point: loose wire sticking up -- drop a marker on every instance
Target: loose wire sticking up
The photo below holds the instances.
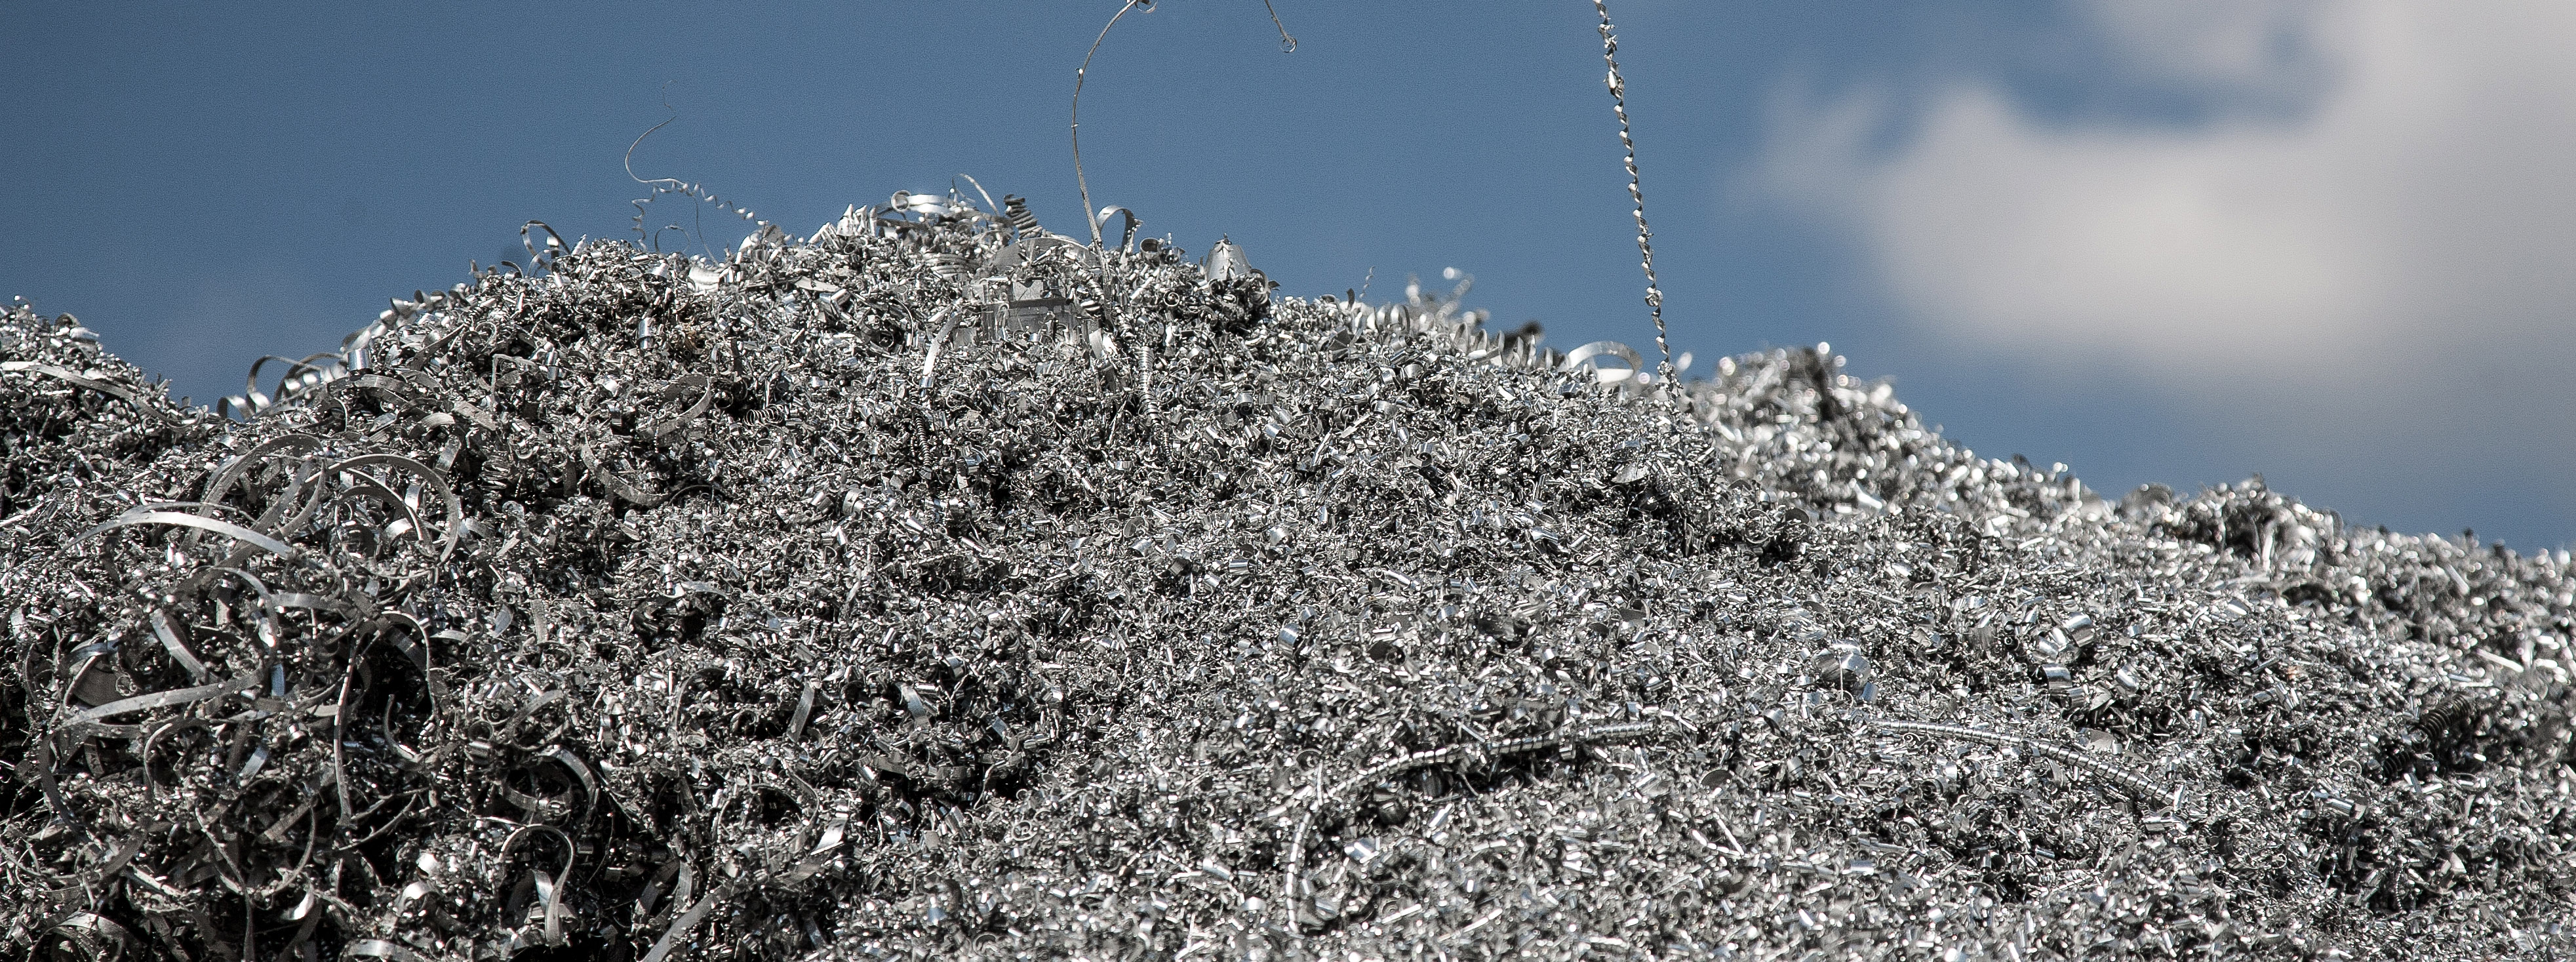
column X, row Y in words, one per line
column 1090, row 214
column 670, row 185
column 1636, row 193
column 1287, row 41
column 1094, row 216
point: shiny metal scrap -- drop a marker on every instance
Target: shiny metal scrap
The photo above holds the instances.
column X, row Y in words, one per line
column 938, row 585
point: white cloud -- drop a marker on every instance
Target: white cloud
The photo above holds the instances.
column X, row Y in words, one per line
column 2422, row 195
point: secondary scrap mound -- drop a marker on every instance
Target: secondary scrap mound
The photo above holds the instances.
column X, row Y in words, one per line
column 941, row 587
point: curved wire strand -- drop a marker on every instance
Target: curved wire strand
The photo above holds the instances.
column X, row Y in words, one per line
column 1636, row 192
column 1287, row 41
column 1079, row 73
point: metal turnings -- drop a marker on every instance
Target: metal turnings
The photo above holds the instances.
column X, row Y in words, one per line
column 860, row 597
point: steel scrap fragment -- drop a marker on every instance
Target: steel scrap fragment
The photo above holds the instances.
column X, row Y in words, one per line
column 939, row 585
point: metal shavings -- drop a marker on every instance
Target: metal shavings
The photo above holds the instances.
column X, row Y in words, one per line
column 1425, row 759
column 874, row 595
column 2145, row 790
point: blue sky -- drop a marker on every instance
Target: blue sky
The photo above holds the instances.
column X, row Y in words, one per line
column 2159, row 240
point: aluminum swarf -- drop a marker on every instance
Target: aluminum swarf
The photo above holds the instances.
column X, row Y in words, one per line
column 936, row 585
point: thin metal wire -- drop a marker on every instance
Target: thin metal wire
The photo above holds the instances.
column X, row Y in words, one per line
column 1141, row 343
column 1088, row 215
column 1636, row 192
column 1287, row 42
column 1143, row 346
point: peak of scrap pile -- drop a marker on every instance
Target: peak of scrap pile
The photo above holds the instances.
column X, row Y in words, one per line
column 939, row 586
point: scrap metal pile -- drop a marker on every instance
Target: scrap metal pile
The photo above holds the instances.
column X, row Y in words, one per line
column 942, row 587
